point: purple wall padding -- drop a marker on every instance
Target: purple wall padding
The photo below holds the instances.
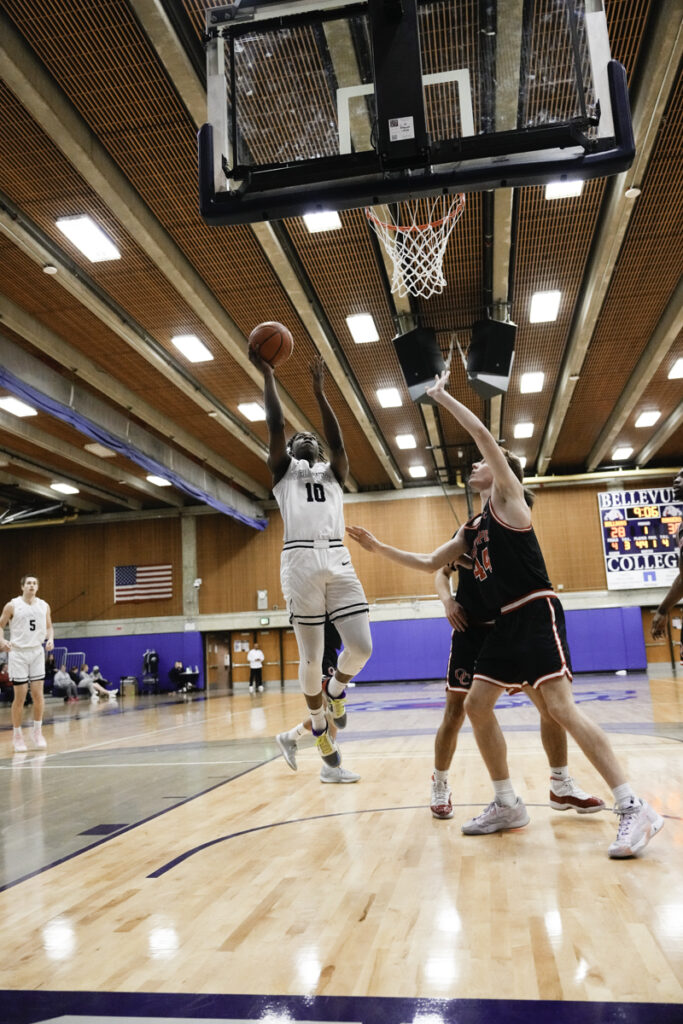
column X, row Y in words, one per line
column 600, row 640
column 606, row 639
column 122, row 655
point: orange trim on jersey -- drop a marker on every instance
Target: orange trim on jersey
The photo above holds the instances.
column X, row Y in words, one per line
column 533, row 595
column 515, row 529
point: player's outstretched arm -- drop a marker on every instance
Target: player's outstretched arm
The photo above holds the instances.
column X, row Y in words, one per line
column 506, row 487
column 331, row 429
column 278, row 456
column 451, row 551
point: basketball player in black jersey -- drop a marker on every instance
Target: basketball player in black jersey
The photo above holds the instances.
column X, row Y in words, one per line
column 472, row 624
column 528, row 644
column 674, row 594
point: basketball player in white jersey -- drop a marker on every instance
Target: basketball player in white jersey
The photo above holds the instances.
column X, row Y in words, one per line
column 30, row 626
column 315, row 569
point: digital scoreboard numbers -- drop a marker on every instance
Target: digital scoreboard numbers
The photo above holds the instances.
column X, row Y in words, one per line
column 639, row 531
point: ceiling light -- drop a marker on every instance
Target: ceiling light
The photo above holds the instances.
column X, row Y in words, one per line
column 49, row 268
column 326, row 220
column 676, row 370
column 89, row 238
column 192, row 348
column 563, row 189
column 524, row 430
column 632, row 193
column 531, row 382
column 406, row 441
column 17, row 408
column 158, row 481
column 417, row 471
column 621, row 454
column 99, row 450
column 64, row 488
column 544, row 307
column 389, row 398
column 252, row 411
column 522, row 461
column 648, row 419
column 573, row 377
column 362, row 328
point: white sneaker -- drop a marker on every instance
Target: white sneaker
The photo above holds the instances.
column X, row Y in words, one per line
column 637, row 825
column 338, row 774
column 566, row 796
column 19, row 744
column 497, row 818
column 37, row 739
column 441, row 803
column 251, row 689
column 288, row 748
column 112, row 693
column 94, row 697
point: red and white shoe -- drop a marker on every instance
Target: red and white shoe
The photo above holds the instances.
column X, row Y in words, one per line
column 441, row 804
column 566, row 796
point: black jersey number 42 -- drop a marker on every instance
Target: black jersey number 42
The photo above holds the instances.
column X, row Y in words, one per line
column 315, row 492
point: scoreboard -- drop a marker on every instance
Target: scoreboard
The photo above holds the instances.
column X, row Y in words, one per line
column 639, row 531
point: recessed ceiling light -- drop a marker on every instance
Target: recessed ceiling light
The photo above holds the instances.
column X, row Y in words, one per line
column 252, row 411
column 325, row 220
column 99, row 450
column 524, row 430
column 531, row 382
column 362, row 328
column 158, row 481
column 544, row 307
column 522, row 459
column 563, row 189
column 676, row 370
column 389, row 398
column 417, row 471
column 17, row 408
column 621, row 454
column 648, row 419
column 87, row 236
column 192, row 348
column 64, row 488
column 406, row 441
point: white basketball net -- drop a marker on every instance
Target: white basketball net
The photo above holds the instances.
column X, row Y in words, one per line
column 415, row 241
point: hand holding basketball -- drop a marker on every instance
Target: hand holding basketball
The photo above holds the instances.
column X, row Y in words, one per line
column 272, row 342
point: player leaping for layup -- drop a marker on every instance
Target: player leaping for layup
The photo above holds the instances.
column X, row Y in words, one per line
column 316, row 573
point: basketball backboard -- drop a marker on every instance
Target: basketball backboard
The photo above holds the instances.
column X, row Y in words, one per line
column 328, row 105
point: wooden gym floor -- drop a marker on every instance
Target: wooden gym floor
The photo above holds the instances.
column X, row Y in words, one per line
column 161, row 862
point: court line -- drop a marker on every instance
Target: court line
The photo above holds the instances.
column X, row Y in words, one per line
column 321, row 817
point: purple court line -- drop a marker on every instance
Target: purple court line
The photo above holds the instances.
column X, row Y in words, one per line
column 129, row 828
column 315, row 817
column 26, row 1007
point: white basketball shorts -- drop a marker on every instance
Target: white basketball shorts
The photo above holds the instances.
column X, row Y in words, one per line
column 26, row 664
column 319, row 580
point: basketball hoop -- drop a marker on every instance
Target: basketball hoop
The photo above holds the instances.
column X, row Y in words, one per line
column 416, row 243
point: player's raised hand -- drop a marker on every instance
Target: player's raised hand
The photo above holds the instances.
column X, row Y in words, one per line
column 259, row 363
column 317, row 368
column 438, row 388
column 366, row 539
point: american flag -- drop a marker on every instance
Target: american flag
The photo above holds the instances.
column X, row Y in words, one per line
column 142, row 582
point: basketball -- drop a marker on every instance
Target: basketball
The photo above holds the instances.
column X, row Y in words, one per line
column 272, row 341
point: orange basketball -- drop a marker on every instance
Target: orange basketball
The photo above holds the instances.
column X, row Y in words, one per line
column 273, row 342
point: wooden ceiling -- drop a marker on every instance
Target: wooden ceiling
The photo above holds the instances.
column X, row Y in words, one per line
column 99, row 108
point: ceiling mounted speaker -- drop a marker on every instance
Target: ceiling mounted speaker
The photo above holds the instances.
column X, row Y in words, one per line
column 490, row 355
column 421, row 360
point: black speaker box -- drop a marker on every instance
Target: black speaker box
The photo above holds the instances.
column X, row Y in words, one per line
column 490, row 355
column 421, row 360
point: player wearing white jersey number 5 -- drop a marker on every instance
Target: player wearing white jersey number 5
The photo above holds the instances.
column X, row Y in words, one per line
column 315, row 569
column 30, row 626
